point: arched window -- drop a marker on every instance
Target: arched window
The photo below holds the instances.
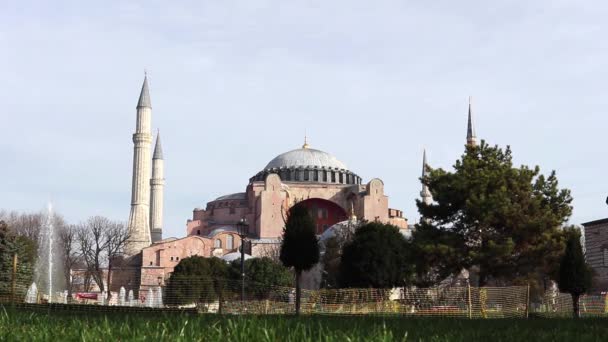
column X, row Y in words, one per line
column 218, row 243
column 229, row 242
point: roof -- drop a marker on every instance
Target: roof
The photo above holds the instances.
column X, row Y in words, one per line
column 158, row 149
column 235, row 196
column 304, row 157
column 144, row 96
column 596, row 222
column 235, row 256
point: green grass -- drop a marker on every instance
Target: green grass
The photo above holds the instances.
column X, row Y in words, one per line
column 27, row 325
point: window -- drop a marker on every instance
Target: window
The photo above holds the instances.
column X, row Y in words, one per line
column 322, row 213
column 176, row 258
column 171, row 258
column 229, row 242
column 605, row 255
column 151, row 263
column 198, row 232
column 232, row 210
column 218, row 243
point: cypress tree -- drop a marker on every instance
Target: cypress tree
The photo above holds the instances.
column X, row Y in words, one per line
column 300, row 247
column 574, row 274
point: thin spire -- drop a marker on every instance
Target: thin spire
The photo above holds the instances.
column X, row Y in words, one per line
column 144, row 96
column 423, row 162
column 158, row 150
column 425, row 193
column 471, row 137
column 305, row 141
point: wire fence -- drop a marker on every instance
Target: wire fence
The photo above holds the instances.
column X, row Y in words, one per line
column 556, row 304
column 228, row 296
column 131, row 289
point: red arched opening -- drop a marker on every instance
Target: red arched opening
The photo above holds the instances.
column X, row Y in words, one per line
column 325, row 213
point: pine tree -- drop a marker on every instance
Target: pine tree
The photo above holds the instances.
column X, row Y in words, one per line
column 491, row 216
column 574, row 274
column 300, row 247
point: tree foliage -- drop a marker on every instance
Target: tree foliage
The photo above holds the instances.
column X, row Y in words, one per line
column 376, row 257
column 196, row 279
column 261, row 275
column 574, row 274
column 12, row 244
column 487, row 214
column 300, row 246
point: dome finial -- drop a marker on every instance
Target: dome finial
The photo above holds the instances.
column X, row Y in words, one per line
column 305, row 141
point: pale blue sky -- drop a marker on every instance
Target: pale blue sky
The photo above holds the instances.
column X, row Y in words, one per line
column 234, row 83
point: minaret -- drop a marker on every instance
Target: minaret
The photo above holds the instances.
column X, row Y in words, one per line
column 471, row 137
column 425, row 193
column 139, row 225
column 157, row 185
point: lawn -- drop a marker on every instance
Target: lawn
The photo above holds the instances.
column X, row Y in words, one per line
column 27, row 325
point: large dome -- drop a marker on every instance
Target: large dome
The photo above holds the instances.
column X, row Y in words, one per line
column 305, row 157
column 308, row 165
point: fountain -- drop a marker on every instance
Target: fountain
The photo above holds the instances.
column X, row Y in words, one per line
column 150, row 298
column 159, row 297
column 131, row 298
column 121, row 296
column 48, row 263
column 103, row 295
column 32, row 294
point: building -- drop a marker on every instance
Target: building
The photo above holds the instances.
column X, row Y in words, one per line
column 596, row 251
column 326, row 186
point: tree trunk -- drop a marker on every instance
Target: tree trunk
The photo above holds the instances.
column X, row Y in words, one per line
column 298, row 292
column 575, row 307
column 109, row 293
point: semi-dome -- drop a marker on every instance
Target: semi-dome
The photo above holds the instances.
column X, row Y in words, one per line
column 306, row 157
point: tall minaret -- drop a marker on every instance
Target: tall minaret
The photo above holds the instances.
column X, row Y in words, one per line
column 471, row 137
column 425, row 194
column 157, row 185
column 139, row 225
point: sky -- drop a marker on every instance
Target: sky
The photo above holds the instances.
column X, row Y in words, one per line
column 235, row 83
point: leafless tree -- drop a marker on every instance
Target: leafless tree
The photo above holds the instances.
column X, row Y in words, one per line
column 70, row 252
column 28, row 224
column 101, row 242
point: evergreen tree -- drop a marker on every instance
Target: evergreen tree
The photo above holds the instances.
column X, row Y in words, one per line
column 300, row 247
column 25, row 249
column 376, row 257
column 574, row 274
column 196, row 279
column 262, row 274
column 489, row 216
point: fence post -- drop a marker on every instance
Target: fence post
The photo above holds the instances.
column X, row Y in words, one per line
column 527, row 300
column 266, row 304
column 14, row 278
column 470, row 301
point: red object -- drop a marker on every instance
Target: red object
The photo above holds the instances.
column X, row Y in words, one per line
column 86, row 295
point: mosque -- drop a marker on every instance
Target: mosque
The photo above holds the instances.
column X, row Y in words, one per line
column 305, row 176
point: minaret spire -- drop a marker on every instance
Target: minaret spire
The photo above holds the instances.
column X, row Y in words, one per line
column 144, row 95
column 157, row 185
column 471, row 137
column 425, row 193
column 139, row 218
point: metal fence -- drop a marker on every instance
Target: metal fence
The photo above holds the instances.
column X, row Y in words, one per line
column 224, row 296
